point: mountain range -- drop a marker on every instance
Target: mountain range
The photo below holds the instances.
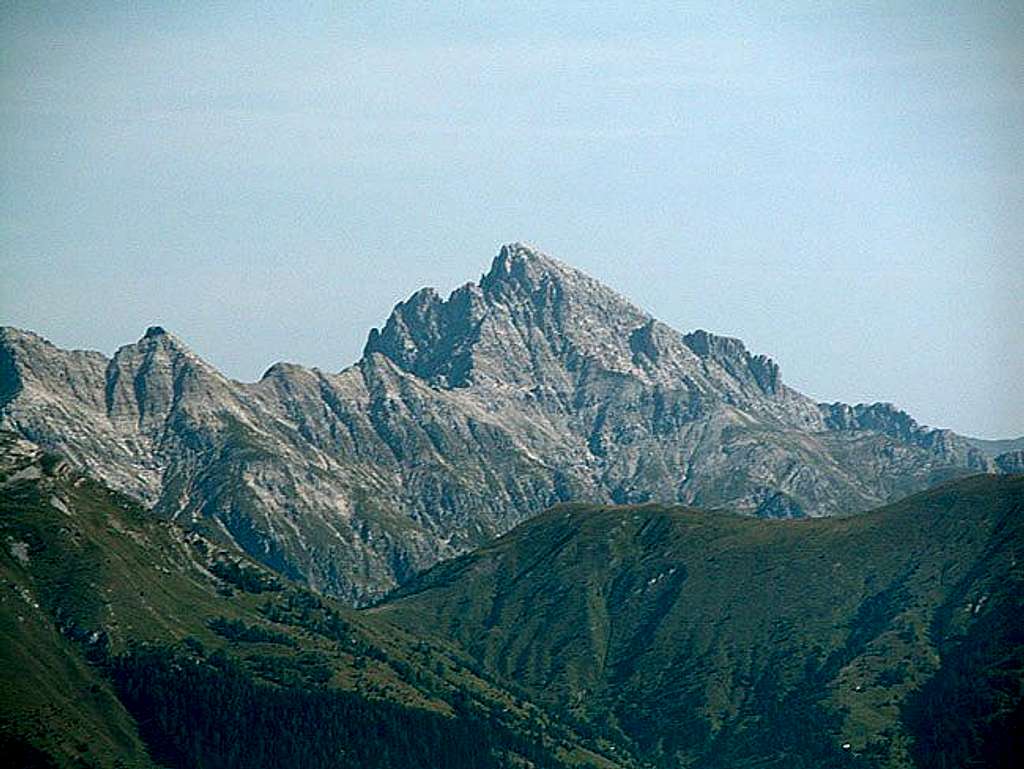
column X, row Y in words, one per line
column 128, row 641
column 464, row 417
column 609, row 637
column 532, row 527
column 892, row 638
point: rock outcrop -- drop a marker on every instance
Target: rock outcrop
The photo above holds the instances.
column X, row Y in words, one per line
column 464, row 416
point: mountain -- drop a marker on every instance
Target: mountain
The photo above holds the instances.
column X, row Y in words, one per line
column 639, row 637
column 994, row 449
column 888, row 639
column 464, row 417
column 129, row 642
column 1006, row 455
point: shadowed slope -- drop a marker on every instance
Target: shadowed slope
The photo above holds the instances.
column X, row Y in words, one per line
column 127, row 641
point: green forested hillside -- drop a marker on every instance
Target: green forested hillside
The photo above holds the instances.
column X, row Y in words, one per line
column 891, row 639
column 602, row 636
column 128, row 643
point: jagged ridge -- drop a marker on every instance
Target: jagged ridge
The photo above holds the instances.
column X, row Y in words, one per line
column 465, row 416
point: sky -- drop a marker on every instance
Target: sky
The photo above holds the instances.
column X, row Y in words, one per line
column 841, row 185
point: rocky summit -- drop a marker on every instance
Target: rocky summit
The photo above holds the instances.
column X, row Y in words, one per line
column 464, row 417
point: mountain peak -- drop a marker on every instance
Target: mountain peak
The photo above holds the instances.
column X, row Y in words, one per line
column 160, row 335
column 533, row 320
column 527, row 317
column 158, row 340
column 511, row 255
column 524, row 264
column 158, row 362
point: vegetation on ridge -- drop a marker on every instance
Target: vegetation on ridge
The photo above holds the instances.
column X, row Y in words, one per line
column 632, row 636
column 889, row 639
column 130, row 643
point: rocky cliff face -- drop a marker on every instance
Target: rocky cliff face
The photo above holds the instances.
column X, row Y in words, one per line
column 464, row 416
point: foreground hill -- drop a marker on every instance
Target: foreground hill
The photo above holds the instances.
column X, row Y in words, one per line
column 464, row 417
column 889, row 639
column 127, row 642
column 630, row 636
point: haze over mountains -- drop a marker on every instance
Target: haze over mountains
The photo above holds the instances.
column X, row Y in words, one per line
column 520, row 521
column 464, row 417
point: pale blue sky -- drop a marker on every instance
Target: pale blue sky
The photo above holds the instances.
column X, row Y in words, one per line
column 841, row 185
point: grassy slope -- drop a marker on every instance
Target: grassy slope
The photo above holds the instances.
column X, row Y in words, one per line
column 698, row 638
column 711, row 639
column 87, row 573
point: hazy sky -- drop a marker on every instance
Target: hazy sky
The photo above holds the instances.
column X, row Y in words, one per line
column 841, row 185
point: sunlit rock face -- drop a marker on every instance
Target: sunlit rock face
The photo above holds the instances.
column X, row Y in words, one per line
column 464, row 416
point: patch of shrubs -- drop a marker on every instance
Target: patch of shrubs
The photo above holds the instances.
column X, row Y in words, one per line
column 245, row 577
column 239, row 630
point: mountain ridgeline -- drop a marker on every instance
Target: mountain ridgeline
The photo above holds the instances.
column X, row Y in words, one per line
column 704, row 639
column 129, row 642
column 608, row 637
column 464, row 417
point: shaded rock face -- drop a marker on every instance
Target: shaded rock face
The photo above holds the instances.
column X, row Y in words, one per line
column 732, row 355
column 1011, row 461
column 464, row 416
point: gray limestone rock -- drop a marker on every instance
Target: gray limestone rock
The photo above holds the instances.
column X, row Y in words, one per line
column 464, row 416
